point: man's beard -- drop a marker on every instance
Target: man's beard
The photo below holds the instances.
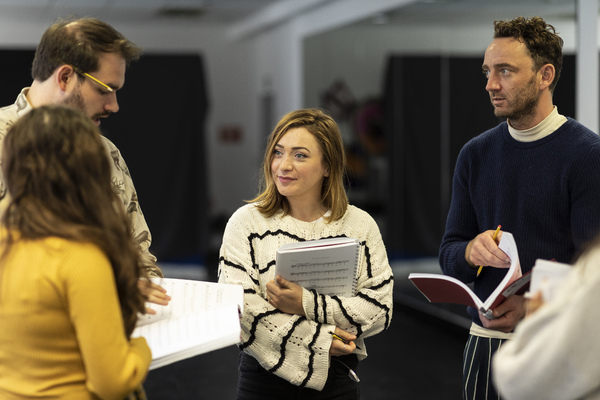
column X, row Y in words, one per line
column 525, row 104
column 76, row 101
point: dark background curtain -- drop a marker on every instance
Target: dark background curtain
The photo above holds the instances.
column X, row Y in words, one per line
column 160, row 130
column 15, row 66
column 432, row 107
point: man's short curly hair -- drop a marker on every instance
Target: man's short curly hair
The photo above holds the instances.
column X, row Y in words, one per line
column 542, row 41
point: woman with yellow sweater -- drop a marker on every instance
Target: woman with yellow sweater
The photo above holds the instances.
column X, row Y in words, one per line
column 69, row 271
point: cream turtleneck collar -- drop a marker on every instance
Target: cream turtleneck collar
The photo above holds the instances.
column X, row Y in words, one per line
column 551, row 123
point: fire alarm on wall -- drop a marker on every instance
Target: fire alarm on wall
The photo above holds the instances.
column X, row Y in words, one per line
column 230, row 134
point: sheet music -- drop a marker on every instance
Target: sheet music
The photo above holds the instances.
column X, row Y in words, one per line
column 188, row 296
column 201, row 317
column 189, row 335
column 328, row 269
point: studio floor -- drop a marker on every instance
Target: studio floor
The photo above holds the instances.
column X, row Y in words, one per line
column 419, row 357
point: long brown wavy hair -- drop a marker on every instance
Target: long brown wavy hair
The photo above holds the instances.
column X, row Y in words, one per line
column 327, row 134
column 58, row 176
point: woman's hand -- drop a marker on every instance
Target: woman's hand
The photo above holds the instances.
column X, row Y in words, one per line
column 154, row 294
column 286, row 296
column 533, row 303
column 338, row 347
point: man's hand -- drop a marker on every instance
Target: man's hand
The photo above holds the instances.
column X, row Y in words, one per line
column 507, row 315
column 483, row 250
column 154, row 294
column 285, row 296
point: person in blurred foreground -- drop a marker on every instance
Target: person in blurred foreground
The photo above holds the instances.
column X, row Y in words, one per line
column 553, row 353
column 69, row 267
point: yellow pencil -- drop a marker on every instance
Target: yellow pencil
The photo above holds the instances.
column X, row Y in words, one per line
column 495, row 235
column 345, row 341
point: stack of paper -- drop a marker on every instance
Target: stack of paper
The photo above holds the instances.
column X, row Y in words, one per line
column 201, row 317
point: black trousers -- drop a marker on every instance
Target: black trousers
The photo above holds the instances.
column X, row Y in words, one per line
column 256, row 383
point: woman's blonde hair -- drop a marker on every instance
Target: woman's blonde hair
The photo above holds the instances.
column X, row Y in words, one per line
column 326, row 132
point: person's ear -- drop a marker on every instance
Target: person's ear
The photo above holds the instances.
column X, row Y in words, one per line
column 63, row 75
column 547, row 73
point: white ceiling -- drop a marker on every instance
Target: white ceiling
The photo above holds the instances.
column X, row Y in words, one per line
column 467, row 11
column 208, row 11
column 233, row 11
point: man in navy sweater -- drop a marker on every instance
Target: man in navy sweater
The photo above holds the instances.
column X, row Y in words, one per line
column 537, row 175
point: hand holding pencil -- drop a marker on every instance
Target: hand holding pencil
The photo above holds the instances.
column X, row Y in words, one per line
column 483, row 251
column 343, row 343
column 493, row 238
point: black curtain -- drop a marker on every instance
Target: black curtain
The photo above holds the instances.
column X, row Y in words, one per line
column 412, row 124
column 160, row 130
column 564, row 93
column 15, row 72
column 433, row 106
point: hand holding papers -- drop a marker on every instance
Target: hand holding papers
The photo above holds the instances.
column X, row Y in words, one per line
column 201, row 317
column 439, row 288
column 546, row 277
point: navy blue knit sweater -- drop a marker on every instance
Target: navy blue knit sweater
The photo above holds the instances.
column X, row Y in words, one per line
column 546, row 193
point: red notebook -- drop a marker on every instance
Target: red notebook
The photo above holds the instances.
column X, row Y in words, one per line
column 438, row 288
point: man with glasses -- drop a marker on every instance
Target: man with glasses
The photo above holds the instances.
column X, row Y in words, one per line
column 81, row 63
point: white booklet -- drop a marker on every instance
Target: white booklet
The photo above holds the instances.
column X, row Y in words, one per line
column 201, row 317
column 547, row 276
column 328, row 266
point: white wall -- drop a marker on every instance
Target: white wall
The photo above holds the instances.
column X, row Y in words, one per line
column 358, row 54
column 232, row 96
column 229, row 67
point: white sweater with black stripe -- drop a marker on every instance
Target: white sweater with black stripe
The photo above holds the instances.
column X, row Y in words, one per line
column 293, row 347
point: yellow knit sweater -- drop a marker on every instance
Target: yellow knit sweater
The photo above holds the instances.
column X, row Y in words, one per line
column 61, row 329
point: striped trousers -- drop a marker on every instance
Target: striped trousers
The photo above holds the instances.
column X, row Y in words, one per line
column 477, row 368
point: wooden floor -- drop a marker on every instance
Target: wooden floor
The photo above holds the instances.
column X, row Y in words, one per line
column 419, row 357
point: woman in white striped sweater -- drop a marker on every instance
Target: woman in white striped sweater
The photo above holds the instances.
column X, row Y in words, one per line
column 288, row 350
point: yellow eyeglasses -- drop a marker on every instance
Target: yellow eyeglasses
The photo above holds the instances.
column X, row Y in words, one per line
column 99, row 82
